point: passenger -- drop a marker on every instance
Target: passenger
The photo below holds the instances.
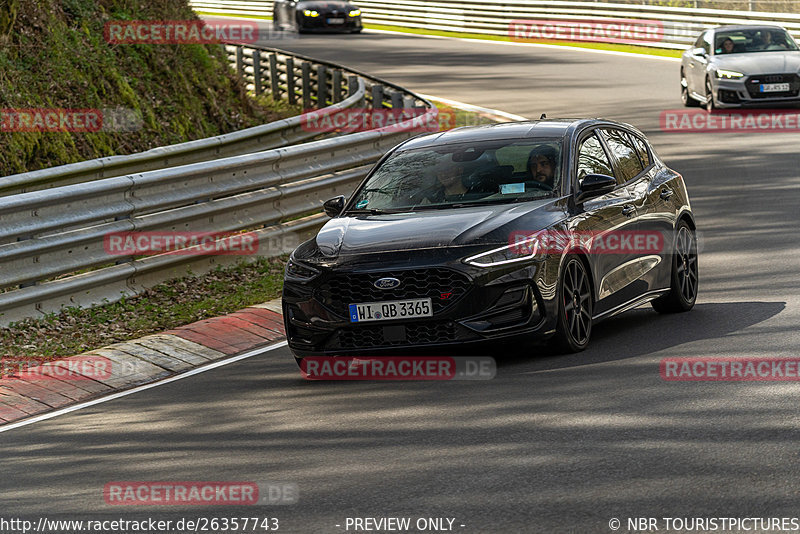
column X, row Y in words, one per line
column 727, row 46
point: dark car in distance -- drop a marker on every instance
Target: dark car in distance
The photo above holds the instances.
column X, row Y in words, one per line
column 480, row 233
column 316, row 16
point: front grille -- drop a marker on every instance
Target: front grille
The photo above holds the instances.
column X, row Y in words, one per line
column 416, row 334
column 753, row 83
column 340, row 291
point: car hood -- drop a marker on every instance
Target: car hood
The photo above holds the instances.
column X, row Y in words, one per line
column 760, row 62
column 480, row 225
column 326, row 5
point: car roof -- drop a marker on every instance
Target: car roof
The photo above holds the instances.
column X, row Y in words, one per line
column 749, row 27
column 507, row 130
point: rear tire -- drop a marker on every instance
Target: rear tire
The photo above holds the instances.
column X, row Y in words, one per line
column 575, row 307
column 684, row 278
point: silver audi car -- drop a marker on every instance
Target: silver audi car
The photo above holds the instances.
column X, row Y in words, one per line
column 736, row 66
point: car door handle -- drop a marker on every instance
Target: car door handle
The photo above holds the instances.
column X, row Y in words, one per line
column 666, row 193
column 628, row 210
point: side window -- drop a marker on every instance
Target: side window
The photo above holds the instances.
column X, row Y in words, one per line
column 627, row 157
column 592, row 158
column 641, row 148
column 699, row 43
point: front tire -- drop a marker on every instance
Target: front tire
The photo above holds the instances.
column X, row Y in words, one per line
column 684, row 278
column 710, row 106
column 686, row 98
column 575, row 307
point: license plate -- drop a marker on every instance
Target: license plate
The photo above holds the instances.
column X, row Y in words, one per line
column 390, row 310
column 335, row 21
column 774, row 87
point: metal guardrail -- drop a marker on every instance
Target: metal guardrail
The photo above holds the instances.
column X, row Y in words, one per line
column 681, row 25
column 281, row 73
column 48, row 236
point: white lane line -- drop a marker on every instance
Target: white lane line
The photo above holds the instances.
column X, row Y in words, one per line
column 477, row 109
column 538, row 45
column 137, row 389
column 471, row 40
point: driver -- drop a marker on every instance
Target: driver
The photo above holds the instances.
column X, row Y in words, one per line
column 770, row 41
column 542, row 164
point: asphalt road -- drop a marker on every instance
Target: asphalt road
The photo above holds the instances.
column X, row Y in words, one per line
column 552, row 444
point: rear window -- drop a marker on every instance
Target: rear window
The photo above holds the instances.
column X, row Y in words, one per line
column 627, row 156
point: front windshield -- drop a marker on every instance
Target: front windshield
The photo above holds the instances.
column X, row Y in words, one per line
column 753, row 40
column 464, row 174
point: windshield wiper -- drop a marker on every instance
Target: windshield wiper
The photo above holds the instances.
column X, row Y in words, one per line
column 370, row 211
column 462, row 204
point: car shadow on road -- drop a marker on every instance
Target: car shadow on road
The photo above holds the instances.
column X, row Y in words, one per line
column 643, row 331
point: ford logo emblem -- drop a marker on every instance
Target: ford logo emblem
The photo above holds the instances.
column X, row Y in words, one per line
column 387, row 283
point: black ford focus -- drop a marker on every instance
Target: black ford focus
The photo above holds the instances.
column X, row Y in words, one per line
column 533, row 229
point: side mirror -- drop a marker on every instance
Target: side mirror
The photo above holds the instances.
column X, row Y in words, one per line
column 334, row 206
column 699, row 51
column 595, row 185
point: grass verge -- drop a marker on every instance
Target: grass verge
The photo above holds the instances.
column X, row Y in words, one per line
column 174, row 303
column 53, row 55
column 632, row 49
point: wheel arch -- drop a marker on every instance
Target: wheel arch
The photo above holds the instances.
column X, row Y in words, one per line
column 583, row 256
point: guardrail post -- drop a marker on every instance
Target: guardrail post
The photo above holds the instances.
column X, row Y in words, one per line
column 337, row 86
column 322, row 86
column 290, row 81
column 306, row 67
column 240, row 62
column 257, row 71
column 377, row 96
column 397, row 100
column 273, row 77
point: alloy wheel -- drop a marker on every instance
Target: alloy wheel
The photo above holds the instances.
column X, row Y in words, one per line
column 687, row 264
column 577, row 302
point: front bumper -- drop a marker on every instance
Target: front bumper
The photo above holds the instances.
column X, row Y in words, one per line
column 490, row 305
column 745, row 92
column 322, row 24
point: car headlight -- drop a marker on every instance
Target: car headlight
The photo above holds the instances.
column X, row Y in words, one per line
column 355, row 13
column 310, row 13
column 729, row 74
column 520, row 251
column 299, row 271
